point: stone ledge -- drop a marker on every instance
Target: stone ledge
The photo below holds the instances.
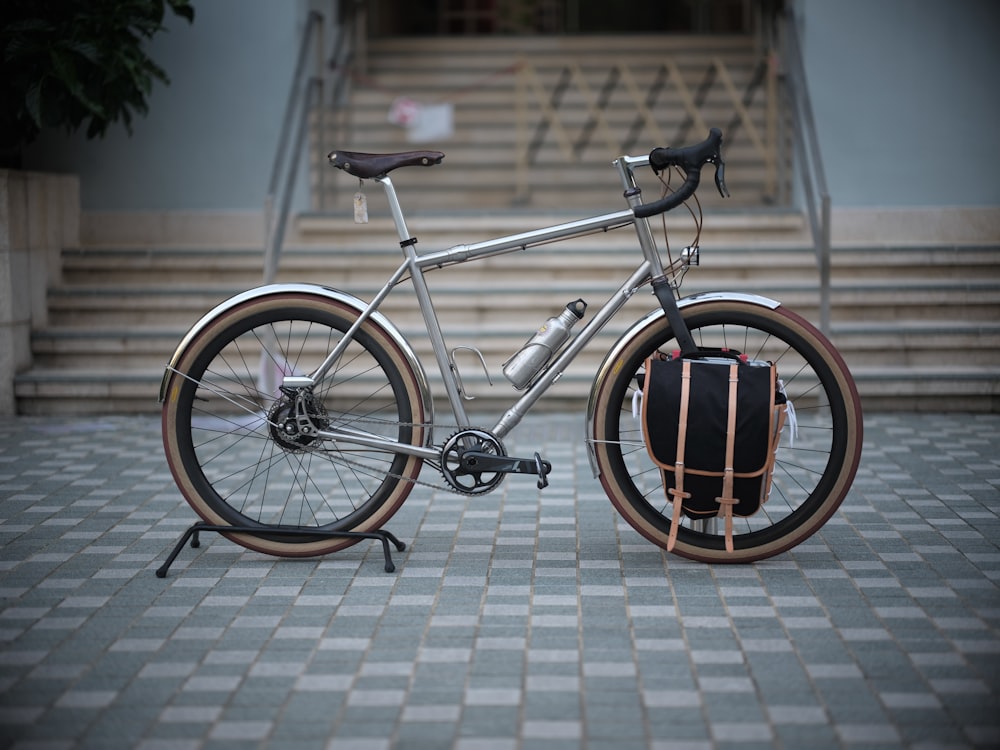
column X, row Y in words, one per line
column 915, row 226
column 39, row 216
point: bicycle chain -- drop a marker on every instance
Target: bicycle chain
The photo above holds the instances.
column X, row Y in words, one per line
column 348, row 462
column 436, row 464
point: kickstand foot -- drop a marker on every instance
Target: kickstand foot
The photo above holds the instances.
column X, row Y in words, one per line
column 193, row 532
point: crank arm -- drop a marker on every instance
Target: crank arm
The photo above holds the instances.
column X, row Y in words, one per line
column 489, row 463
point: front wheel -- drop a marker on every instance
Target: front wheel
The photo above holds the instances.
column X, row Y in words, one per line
column 813, row 471
column 229, row 432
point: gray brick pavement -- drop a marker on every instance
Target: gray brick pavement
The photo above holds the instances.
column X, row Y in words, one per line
column 518, row 620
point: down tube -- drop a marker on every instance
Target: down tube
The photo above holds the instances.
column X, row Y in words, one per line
column 516, row 413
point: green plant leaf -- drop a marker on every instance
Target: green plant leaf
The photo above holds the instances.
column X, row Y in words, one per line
column 33, row 103
column 183, row 9
column 78, row 63
column 87, row 50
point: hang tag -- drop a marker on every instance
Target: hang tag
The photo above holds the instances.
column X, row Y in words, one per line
column 360, row 208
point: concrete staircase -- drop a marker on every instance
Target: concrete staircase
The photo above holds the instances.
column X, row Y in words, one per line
column 566, row 83
column 919, row 326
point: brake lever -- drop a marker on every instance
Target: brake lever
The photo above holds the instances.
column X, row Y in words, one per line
column 720, row 178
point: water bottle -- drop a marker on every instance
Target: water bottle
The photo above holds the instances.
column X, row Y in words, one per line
column 538, row 350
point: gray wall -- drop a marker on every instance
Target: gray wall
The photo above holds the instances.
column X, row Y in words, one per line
column 210, row 137
column 905, row 97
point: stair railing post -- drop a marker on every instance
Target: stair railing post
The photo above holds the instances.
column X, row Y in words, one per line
column 824, row 265
column 771, row 126
column 320, row 74
column 521, row 194
column 807, row 153
column 274, row 226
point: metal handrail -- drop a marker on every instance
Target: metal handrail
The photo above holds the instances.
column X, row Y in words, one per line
column 810, row 163
column 346, row 59
column 286, row 157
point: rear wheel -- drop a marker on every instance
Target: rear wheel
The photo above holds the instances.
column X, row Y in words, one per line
column 813, row 471
column 231, row 439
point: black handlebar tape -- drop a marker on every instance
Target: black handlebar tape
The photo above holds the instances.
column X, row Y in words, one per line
column 671, row 201
column 691, row 159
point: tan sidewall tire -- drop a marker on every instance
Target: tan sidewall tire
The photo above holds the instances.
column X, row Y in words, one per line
column 654, row 332
column 170, row 439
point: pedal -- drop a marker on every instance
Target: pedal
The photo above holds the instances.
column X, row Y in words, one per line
column 542, row 468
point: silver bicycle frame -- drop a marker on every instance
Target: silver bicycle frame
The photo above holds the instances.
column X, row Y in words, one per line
column 414, row 265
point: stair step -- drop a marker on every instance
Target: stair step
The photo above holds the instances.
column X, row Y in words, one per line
column 883, row 388
column 482, row 84
column 911, row 343
column 972, row 344
column 347, row 265
column 472, row 48
column 928, row 293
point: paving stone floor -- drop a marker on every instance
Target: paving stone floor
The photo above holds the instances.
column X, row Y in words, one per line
column 514, row 621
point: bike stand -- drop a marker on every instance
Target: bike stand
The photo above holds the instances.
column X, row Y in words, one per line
column 193, row 534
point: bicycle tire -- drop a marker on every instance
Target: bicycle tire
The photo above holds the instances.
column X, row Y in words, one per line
column 813, row 473
column 235, row 468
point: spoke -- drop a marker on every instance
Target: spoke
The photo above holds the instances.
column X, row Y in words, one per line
column 252, row 408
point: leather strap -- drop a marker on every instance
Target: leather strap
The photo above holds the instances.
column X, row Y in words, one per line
column 781, row 410
column 727, row 501
column 677, row 493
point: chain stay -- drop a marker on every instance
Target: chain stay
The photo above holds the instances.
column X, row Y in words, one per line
column 485, row 462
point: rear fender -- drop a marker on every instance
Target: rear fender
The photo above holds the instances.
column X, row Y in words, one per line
column 326, row 293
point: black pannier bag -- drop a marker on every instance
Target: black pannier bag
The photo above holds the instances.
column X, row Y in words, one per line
column 712, row 424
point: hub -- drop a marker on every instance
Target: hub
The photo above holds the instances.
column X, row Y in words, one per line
column 288, row 428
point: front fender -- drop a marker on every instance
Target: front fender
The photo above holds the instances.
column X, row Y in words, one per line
column 333, row 295
column 615, row 352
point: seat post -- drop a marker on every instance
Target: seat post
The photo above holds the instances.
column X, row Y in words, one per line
column 394, row 208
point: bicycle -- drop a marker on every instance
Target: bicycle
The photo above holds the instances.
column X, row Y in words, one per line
column 296, row 418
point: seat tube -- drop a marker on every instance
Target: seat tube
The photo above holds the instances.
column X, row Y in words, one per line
column 434, row 333
column 394, row 208
column 426, row 304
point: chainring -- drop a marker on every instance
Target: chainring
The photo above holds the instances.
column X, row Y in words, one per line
column 460, row 474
